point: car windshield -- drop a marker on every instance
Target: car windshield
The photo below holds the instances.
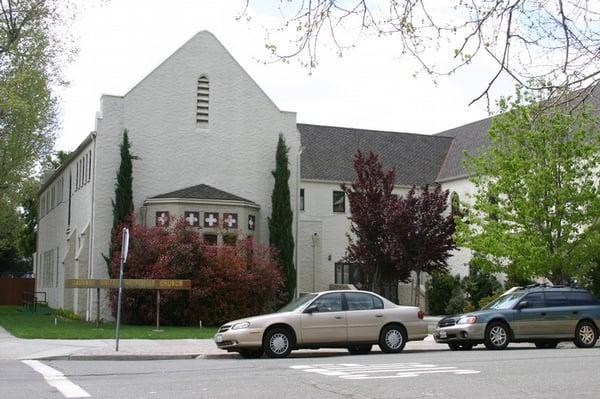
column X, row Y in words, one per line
column 505, row 301
column 297, row 304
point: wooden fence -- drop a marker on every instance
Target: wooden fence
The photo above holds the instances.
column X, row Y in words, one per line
column 12, row 290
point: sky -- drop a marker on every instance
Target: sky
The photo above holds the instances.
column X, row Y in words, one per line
column 370, row 87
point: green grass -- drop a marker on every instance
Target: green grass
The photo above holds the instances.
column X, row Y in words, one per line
column 36, row 325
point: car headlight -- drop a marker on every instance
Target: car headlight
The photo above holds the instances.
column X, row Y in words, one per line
column 467, row 320
column 241, row 326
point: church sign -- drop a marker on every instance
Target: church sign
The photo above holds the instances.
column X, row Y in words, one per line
column 129, row 283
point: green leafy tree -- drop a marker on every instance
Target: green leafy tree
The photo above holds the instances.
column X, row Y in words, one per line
column 537, row 203
column 280, row 222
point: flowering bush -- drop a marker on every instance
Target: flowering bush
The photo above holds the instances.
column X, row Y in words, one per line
column 228, row 282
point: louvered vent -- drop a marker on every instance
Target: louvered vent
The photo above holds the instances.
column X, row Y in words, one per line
column 202, row 110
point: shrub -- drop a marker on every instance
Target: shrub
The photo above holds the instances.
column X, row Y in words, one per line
column 457, row 303
column 228, row 282
column 479, row 284
column 439, row 290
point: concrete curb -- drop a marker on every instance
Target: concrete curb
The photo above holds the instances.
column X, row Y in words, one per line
column 128, row 357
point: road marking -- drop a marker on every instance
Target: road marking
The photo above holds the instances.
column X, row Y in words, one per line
column 58, row 380
column 353, row 371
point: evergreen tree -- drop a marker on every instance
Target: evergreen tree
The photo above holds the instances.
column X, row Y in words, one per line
column 280, row 222
column 123, row 202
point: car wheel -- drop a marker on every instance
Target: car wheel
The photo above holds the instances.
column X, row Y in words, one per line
column 586, row 335
column 360, row 349
column 392, row 339
column 497, row 336
column 251, row 353
column 460, row 346
column 546, row 345
column 278, row 343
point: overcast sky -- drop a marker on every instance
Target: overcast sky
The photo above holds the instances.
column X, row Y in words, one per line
column 370, row 87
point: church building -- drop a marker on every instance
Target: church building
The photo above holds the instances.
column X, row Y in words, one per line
column 205, row 135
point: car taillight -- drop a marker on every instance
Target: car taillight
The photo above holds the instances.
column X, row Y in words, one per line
column 420, row 314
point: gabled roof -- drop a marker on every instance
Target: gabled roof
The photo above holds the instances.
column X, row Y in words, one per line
column 202, row 191
column 328, row 153
column 470, row 138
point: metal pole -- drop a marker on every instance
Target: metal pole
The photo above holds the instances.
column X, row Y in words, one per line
column 124, row 250
column 98, row 307
column 119, row 304
column 157, row 310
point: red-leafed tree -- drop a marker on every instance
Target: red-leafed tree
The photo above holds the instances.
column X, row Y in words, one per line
column 228, row 282
column 371, row 201
column 422, row 231
column 392, row 236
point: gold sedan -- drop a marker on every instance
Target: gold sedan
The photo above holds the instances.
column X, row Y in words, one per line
column 355, row 320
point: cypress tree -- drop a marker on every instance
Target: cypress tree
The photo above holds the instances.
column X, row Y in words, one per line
column 280, row 222
column 123, row 202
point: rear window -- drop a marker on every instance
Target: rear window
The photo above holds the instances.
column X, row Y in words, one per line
column 581, row 299
column 556, row 299
column 360, row 301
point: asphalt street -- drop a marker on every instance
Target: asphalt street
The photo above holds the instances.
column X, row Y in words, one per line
column 513, row 373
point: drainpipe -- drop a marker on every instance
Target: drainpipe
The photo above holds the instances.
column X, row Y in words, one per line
column 315, row 237
column 91, row 238
column 297, row 219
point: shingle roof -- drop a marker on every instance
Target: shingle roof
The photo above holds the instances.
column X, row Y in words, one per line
column 202, row 191
column 328, row 153
column 471, row 138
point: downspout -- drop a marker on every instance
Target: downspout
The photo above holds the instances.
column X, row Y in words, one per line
column 297, row 220
column 91, row 248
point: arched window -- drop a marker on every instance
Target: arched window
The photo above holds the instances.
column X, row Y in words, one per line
column 202, row 102
column 455, row 202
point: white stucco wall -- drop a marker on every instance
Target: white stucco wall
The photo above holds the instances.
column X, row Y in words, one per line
column 53, row 233
column 236, row 153
column 331, row 239
column 459, row 262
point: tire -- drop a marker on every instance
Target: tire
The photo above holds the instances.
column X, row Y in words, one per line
column 497, row 336
column 278, row 343
column 392, row 339
column 586, row 334
column 360, row 349
column 460, row 346
column 251, row 353
column 546, row 345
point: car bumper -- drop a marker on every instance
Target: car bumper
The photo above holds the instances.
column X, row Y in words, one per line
column 232, row 340
column 460, row 332
column 416, row 330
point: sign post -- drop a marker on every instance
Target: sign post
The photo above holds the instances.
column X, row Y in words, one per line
column 124, row 249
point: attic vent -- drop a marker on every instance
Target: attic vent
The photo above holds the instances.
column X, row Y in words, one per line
column 202, row 110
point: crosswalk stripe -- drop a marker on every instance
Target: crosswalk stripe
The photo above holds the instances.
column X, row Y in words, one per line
column 57, row 380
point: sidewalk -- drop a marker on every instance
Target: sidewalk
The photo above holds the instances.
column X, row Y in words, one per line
column 12, row 348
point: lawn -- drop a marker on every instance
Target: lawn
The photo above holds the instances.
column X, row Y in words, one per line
column 53, row 326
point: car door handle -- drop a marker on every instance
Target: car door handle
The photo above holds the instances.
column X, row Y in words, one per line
column 575, row 312
column 338, row 317
column 543, row 313
column 378, row 315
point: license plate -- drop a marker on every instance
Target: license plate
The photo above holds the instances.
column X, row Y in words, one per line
column 443, row 334
column 219, row 338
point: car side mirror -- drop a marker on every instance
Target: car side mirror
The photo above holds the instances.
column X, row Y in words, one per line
column 312, row 309
column 522, row 305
